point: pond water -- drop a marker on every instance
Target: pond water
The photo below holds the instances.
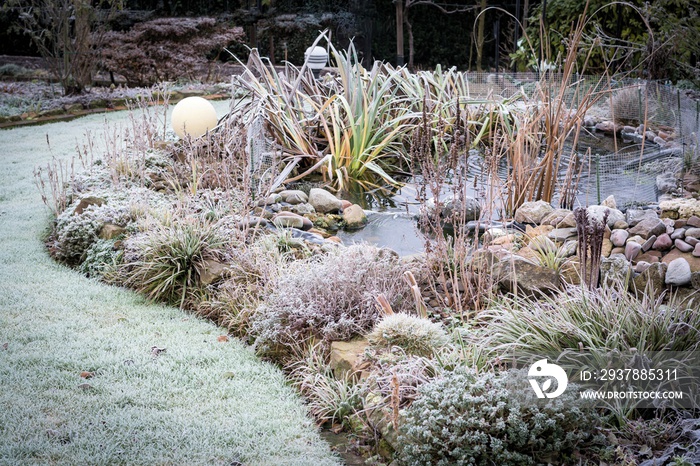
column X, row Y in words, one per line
column 614, row 169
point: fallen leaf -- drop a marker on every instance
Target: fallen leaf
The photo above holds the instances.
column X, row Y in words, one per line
column 229, row 375
column 222, row 338
column 87, row 375
column 5, row 345
column 85, row 386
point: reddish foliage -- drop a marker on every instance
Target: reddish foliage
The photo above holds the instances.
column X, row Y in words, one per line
column 166, row 49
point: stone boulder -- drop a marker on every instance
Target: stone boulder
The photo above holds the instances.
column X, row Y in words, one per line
column 559, row 218
column 649, row 226
column 111, row 231
column 323, row 201
column 87, row 202
column 211, row 271
column 354, row 217
column 614, row 216
column 533, row 212
column 291, row 220
column 451, row 205
column 517, row 273
column 634, row 216
column 680, row 208
column 346, row 355
column 652, row 280
column 678, row 272
column 294, row 196
column 674, row 254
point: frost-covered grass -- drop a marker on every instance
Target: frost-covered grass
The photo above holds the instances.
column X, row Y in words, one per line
column 200, row 401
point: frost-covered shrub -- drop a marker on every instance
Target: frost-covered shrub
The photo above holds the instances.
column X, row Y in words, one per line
column 465, row 418
column 75, row 233
column 166, row 48
column 329, row 298
column 413, row 334
column 101, row 258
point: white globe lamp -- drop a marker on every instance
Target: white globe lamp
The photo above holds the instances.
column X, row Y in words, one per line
column 193, row 116
column 316, row 59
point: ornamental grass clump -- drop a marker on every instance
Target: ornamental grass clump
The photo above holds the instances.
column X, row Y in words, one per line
column 165, row 263
column 415, row 335
column 329, row 298
column 576, row 319
column 465, row 418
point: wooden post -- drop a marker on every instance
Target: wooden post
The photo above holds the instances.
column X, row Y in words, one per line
column 399, row 32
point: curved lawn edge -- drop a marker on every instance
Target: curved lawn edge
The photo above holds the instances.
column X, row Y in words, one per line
column 201, row 401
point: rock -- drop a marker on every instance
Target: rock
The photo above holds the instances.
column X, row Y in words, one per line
column 560, row 235
column 647, row 258
column 678, row 272
column 533, row 212
column 678, row 233
column 294, row 196
column 634, row 216
column 620, row 225
column 693, row 222
column 570, row 272
column 111, row 231
column 615, row 269
column 692, row 232
column 87, row 202
column 632, row 250
column 252, row 222
column 606, row 248
column 675, row 254
column 569, row 248
column 609, row 202
column 306, row 236
column 607, row 127
column 482, row 260
column 648, row 243
column 323, row 201
column 636, row 239
column 303, row 209
column 649, row 227
column 533, row 232
column 682, row 246
column 696, row 250
column 211, row 271
column 292, row 220
column 666, row 183
column 355, row 218
column 691, row 241
column 557, row 217
column 273, row 198
column 651, row 280
column 526, row 276
column 614, row 251
column 345, row 356
column 451, row 205
column 695, row 280
column 619, row 237
column 663, row 243
column 528, row 253
column 680, row 208
column 680, row 223
column 597, row 212
column 641, row 266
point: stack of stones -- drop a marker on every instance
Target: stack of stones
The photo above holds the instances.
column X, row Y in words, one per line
column 659, row 244
column 311, row 218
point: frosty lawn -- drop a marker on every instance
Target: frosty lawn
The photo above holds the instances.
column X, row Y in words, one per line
column 201, row 401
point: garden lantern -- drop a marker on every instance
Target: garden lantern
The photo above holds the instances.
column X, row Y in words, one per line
column 193, row 116
column 316, row 58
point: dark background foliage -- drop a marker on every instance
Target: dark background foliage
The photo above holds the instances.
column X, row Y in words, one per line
column 284, row 28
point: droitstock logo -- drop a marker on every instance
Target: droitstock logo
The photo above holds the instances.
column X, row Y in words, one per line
column 542, row 370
